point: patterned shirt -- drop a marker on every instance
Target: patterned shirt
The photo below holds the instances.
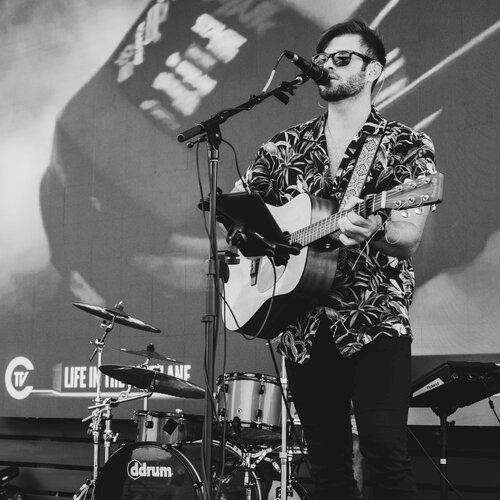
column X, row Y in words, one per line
column 371, row 291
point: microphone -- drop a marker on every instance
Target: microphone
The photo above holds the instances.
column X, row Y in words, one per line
column 318, row 74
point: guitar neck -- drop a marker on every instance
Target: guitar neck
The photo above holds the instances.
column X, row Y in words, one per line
column 330, row 224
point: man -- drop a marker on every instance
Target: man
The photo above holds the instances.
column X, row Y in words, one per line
column 353, row 343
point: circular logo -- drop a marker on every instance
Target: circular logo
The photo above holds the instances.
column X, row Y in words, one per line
column 16, row 374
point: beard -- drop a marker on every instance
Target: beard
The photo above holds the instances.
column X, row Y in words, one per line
column 340, row 90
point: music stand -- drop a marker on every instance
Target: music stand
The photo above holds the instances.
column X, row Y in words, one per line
column 251, row 226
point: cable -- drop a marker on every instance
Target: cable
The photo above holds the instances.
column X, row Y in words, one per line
column 435, row 465
column 200, row 186
column 218, row 416
column 271, row 300
column 366, row 242
column 492, row 406
column 237, row 165
column 490, row 401
column 273, row 72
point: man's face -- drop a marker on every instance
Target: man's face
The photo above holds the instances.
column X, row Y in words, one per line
column 346, row 81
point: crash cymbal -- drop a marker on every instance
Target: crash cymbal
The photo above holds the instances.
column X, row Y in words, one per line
column 153, row 380
column 149, row 353
column 117, row 314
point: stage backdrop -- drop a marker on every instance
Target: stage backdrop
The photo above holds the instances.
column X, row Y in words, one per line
column 99, row 201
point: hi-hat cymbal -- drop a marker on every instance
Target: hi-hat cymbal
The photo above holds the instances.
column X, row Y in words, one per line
column 116, row 314
column 148, row 353
column 153, row 380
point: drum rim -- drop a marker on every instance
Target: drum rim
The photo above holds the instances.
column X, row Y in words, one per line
column 260, row 426
column 258, row 377
column 230, row 445
column 193, row 417
column 176, row 448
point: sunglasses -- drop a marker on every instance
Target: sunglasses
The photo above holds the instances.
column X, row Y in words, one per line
column 340, row 58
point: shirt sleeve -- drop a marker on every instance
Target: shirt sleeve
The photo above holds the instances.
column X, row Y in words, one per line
column 259, row 175
column 414, row 158
column 411, row 156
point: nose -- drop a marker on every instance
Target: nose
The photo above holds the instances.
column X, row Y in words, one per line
column 329, row 64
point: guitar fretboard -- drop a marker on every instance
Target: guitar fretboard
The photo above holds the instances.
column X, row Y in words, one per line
column 330, row 224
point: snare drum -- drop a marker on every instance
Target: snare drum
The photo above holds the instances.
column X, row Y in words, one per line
column 251, row 404
column 167, row 427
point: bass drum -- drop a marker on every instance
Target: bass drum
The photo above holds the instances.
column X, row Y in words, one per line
column 151, row 471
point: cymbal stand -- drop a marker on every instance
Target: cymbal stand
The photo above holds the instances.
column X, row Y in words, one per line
column 100, row 412
column 285, row 456
column 149, row 367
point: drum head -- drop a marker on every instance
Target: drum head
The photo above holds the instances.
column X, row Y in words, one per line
column 147, row 471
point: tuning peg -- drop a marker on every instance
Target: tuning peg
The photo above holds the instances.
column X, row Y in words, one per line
column 419, row 211
column 404, row 214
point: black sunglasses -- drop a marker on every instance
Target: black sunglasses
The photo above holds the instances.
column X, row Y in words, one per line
column 339, row 58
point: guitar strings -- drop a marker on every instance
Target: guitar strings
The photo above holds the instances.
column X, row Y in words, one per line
column 323, row 227
column 366, row 243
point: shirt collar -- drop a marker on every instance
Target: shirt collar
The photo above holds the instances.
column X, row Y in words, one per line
column 375, row 123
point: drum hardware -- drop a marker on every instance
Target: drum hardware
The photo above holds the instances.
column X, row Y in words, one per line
column 168, row 427
column 149, row 353
column 255, row 409
column 101, row 410
column 285, row 456
column 249, row 463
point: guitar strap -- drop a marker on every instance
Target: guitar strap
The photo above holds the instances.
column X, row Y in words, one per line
column 363, row 165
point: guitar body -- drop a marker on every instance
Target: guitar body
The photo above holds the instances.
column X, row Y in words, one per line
column 249, row 289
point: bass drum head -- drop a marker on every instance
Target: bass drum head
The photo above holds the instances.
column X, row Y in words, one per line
column 231, row 483
column 148, row 471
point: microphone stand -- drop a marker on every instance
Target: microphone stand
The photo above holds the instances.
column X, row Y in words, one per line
column 210, row 132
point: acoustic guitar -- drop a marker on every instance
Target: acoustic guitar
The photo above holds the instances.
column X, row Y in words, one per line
column 257, row 289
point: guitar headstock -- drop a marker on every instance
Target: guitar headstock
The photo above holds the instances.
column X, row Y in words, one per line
column 414, row 193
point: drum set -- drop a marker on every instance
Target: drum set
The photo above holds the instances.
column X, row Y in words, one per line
column 256, row 450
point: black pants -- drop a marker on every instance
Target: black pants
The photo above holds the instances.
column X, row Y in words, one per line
column 377, row 380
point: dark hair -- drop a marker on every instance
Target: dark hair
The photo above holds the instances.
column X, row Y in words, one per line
column 370, row 38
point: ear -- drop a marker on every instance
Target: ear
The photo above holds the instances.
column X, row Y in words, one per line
column 373, row 71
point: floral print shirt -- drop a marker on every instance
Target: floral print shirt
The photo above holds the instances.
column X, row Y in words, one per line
column 371, row 291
